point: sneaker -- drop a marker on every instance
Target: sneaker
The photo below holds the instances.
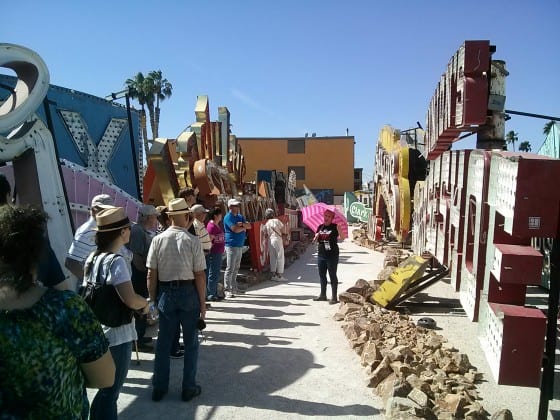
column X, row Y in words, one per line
column 178, row 354
column 320, row 298
column 189, row 394
column 281, row 278
column 157, row 394
column 229, row 295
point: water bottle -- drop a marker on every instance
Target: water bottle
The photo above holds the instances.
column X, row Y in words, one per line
column 153, row 315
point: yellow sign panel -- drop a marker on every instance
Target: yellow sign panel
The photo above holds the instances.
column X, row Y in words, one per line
column 404, row 275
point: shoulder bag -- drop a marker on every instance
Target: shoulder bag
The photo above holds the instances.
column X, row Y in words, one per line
column 103, row 298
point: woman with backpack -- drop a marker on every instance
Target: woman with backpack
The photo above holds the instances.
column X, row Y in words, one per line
column 105, row 266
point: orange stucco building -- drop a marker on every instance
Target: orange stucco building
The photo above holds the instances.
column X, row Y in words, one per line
column 319, row 162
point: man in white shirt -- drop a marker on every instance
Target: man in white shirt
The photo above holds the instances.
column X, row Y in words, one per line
column 84, row 238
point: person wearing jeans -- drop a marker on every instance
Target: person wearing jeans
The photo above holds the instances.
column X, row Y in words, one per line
column 177, row 283
column 235, row 226
column 106, row 265
column 216, row 253
column 327, row 237
column 104, row 405
column 178, row 303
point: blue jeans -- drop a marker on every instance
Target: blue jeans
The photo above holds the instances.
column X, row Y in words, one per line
column 233, row 256
column 104, row 405
column 177, row 305
column 214, row 269
column 329, row 264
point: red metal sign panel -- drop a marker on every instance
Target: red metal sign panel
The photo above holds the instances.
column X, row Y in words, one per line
column 460, row 102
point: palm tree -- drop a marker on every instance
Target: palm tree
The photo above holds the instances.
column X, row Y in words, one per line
column 525, row 146
column 548, row 127
column 512, row 137
column 137, row 90
column 162, row 90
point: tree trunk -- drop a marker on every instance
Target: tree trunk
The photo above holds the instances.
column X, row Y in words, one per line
column 144, row 133
column 157, row 122
column 151, row 112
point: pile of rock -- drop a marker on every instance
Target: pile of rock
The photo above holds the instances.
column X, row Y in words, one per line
column 413, row 369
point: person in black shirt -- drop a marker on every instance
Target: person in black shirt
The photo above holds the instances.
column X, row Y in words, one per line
column 326, row 237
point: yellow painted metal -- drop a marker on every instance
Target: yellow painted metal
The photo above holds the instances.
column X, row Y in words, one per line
column 405, row 213
column 403, row 277
column 389, row 138
column 404, row 162
column 163, row 165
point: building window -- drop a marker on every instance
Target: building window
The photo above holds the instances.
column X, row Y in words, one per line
column 299, row 170
column 296, row 146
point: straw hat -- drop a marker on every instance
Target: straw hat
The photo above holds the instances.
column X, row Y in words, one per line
column 111, row 219
column 177, row 206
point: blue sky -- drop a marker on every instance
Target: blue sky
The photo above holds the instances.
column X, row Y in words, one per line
column 284, row 68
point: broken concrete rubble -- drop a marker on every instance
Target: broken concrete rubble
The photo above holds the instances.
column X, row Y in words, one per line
column 413, row 369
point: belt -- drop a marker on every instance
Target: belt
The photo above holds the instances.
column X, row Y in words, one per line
column 176, row 283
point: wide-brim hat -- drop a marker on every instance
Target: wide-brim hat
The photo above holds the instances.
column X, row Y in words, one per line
column 177, row 206
column 111, row 219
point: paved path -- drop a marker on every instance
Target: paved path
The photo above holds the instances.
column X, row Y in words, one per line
column 272, row 353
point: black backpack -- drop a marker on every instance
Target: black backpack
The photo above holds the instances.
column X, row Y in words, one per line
column 101, row 297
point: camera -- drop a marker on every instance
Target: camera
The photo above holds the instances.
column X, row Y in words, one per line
column 200, row 324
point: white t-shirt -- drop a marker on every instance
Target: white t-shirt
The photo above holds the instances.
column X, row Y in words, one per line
column 275, row 228
column 83, row 243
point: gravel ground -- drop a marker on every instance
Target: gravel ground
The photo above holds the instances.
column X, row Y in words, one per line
column 273, row 353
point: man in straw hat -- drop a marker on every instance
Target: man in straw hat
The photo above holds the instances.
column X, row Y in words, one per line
column 177, row 283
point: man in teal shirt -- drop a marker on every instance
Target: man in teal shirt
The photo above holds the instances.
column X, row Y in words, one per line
column 235, row 226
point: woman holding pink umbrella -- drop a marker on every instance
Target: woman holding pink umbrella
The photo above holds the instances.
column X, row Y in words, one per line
column 326, row 237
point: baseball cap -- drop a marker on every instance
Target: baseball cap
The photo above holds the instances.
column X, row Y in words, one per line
column 102, row 200
column 233, row 202
column 148, row 210
column 198, row 208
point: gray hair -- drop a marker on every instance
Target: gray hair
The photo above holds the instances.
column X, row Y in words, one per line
column 268, row 213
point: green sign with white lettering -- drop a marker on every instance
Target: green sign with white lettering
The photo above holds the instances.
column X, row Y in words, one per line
column 355, row 211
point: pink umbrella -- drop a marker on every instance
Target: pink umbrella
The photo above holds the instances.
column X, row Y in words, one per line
column 313, row 217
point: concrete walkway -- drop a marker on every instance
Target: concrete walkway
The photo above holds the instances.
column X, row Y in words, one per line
column 272, row 353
